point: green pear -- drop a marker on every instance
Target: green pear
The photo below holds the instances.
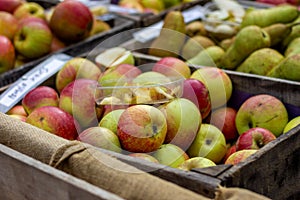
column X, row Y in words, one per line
column 171, row 37
column 288, row 68
column 248, row 40
column 194, row 45
column 261, row 61
column 211, row 56
column 278, row 32
column 293, row 47
column 268, row 16
column 226, row 43
column 293, row 35
column 195, row 28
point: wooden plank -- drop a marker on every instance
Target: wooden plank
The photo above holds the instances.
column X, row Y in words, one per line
column 22, row 177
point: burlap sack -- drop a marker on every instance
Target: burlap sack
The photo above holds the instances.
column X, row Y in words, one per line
column 88, row 163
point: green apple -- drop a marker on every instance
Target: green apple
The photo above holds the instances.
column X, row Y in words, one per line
column 111, row 119
column 101, row 137
column 8, row 25
column 29, row 9
column 172, row 67
column 262, row 110
column 113, row 57
column 291, row 124
column 39, row 97
column 7, row 54
column 239, row 156
column 183, row 122
column 144, row 156
column 76, row 68
column 209, row 143
column 218, row 83
column 142, row 128
column 33, row 40
column 54, row 120
column 170, row 155
column 79, row 99
column 196, row 162
column 71, row 21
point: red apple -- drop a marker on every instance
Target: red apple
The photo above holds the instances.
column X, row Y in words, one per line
column 254, row 138
column 240, row 156
column 8, row 25
column 19, row 117
column 76, row 68
column 28, row 19
column 29, row 9
column 171, row 66
column 39, row 97
column 17, row 110
column 54, row 120
column 101, row 137
column 230, row 150
column 144, row 156
column 10, row 5
column 56, row 44
column 142, row 128
column 224, row 119
column 197, row 92
column 33, row 40
column 78, row 99
column 71, row 21
column 7, row 54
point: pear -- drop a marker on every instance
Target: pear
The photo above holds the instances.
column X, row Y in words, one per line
column 194, row 45
column 288, row 68
column 248, row 40
column 279, row 31
column 265, row 17
column 261, row 61
column 294, row 34
column 293, row 47
column 211, row 56
column 226, row 43
column 171, row 37
column 195, row 28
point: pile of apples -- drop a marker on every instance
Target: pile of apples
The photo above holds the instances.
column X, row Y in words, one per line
column 28, row 31
column 194, row 130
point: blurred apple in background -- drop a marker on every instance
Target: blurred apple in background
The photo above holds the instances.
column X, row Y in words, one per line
column 230, row 150
column 291, row 124
column 17, row 110
column 254, row 138
column 112, row 57
column 7, row 54
column 8, row 25
column 110, row 107
column 196, row 162
column 170, row 155
column 56, row 44
column 33, row 40
column 101, row 137
column 240, row 156
column 78, row 99
column 224, row 119
column 144, row 156
column 19, row 117
column 263, row 111
column 39, row 97
column 142, row 129
column 183, row 122
column 209, row 143
column 218, row 83
column 197, row 92
column 10, row 5
column 31, row 18
column 54, row 120
column 29, row 9
column 76, row 68
column 172, row 67
column 111, row 120
column 99, row 26
column 71, row 21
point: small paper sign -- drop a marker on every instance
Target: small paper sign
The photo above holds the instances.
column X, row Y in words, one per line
column 153, row 31
column 30, row 80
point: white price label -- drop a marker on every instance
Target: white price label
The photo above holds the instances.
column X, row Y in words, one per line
column 30, row 80
column 153, row 31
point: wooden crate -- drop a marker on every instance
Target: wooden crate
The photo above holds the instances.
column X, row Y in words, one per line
column 22, row 177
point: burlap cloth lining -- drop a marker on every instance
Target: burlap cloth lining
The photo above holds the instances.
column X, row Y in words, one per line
column 86, row 162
